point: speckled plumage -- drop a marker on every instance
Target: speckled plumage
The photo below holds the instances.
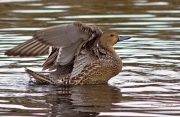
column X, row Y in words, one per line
column 79, row 54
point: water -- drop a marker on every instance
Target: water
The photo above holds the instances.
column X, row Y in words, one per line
column 147, row 86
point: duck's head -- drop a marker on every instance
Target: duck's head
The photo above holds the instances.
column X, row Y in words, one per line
column 108, row 39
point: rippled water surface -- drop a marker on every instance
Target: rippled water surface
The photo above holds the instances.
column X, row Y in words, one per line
column 149, row 84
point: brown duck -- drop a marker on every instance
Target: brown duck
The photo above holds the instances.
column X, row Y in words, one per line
column 78, row 54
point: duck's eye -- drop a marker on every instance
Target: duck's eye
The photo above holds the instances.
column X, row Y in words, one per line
column 112, row 35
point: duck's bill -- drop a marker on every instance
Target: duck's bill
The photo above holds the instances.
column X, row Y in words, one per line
column 122, row 38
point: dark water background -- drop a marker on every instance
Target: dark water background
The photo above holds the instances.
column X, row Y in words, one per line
column 149, row 84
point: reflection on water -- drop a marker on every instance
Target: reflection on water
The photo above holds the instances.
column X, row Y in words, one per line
column 147, row 86
column 64, row 101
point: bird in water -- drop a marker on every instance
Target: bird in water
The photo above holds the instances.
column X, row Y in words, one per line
column 78, row 54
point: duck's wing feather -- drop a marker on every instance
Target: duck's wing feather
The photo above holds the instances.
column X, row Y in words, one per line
column 31, row 47
column 49, row 63
column 66, row 37
column 68, row 41
column 84, row 58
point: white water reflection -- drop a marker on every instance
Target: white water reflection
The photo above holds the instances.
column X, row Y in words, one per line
column 163, row 11
column 145, row 3
column 44, row 19
column 135, row 23
column 162, row 19
column 33, row 4
column 149, row 28
column 110, row 16
column 57, row 7
column 20, row 29
column 13, row 18
column 132, row 114
column 4, row 1
column 37, row 11
column 20, row 107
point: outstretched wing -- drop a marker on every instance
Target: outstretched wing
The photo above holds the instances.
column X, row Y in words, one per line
column 66, row 38
column 64, row 35
column 31, row 47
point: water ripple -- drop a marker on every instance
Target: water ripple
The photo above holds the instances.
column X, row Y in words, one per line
column 37, row 11
column 110, row 16
column 148, row 84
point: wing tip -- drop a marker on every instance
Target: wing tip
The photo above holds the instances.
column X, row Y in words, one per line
column 10, row 53
column 19, row 53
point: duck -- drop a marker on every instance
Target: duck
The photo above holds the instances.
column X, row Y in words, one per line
column 78, row 54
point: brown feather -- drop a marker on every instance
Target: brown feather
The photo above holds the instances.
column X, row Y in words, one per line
column 51, row 59
column 44, row 49
column 27, row 49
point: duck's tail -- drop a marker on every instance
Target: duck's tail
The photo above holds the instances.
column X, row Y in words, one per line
column 40, row 78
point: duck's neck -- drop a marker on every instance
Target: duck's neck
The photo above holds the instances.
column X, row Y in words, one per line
column 109, row 48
